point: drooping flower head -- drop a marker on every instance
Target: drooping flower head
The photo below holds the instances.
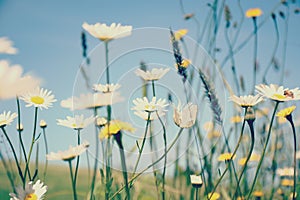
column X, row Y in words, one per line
column 78, row 122
column 253, row 12
column 246, row 101
column 114, row 127
column 6, row 46
column 286, row 111
column 185, row 117
column 107, row 33
column 43, row 124
column 31, row 192
column 40, row 98
column 278, row 93
column 153, row 75
column 12, row 83
column 6, row 118
column 69, row 154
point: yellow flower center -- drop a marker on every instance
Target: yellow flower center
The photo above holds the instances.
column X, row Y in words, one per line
column 31, row 197
column 149, row 107
column 37, row 100
column 279, row 96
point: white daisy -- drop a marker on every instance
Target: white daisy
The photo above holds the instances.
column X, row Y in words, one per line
column 6, row 46
column 246, row 101
column 153, row 116
column 142, row 104
column 107, row 33
column 92, row 100
column 185, row 117
column 6, row 118
column 78, row 122
column 12, row 83
column 31, row 192
column 40, row 98
column 106, row 88
column 69, row 154
column 153, row 75
column 278, row 93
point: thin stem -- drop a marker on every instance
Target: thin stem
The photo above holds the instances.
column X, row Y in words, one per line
column 106, row 62
column 143, row 144
column 255, row 54
column 197, row 193
column 149, row 166
column 72, row 179
column 264, row 150
column 32, row 143
column 77, row 162
column 232, row 156
column 165, row 160
column 123, row 163
column 250, row 124
column 289, row 118
column 153, row 88
column 46, row 147
column 96, row 161
column 14, row 154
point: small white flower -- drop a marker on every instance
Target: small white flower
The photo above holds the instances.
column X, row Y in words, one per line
column 196, row 180
column 91, row 101
column 106, row 88
column 12, row 83
column 40, row 98
column 153, row 75
column 6, row 118
column 143, row 104
column 185, row 117
column 78, row 122
column 69, row 154
column 6, row 46
column 246, row 101
column 278, row 93
column 43, row 124
column 31, row 192
column 107, row 33
column 153, row 116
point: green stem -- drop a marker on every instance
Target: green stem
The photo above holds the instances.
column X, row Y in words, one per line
column 124, row 168
column 255, row 54
column 106, row 62
column 143, row 144
column 46, row 147
column 250, row 123
column 273, row 167
column 153, row 88
column 165, row 160
column 264, row 150
column 77, row 162
column 289, row 118
column 197, row 193
column 14, row 154
column 32, row 143
column 96, row 161
column 149, row 166
column 72, row 179
column 232, row 156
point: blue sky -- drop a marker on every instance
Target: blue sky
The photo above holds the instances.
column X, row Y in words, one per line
column 47, row 34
